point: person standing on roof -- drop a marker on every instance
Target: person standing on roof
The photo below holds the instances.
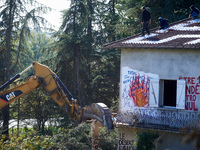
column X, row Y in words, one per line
column 146, row 20
column 194, row 12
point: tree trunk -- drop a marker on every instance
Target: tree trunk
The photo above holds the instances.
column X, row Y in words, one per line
column 77, row 74
column 18, row 117
column 74, row 70
column 89, row 34
column 8, row 58
column 43, row 125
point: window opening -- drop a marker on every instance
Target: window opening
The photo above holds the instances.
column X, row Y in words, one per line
column 170, row 93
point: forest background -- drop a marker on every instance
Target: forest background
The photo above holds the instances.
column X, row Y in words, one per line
column 75, row 53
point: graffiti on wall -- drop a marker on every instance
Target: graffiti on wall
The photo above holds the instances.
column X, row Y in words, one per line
column 135, row 89
column 124, row 144
column 192, row 92
column 139, row 90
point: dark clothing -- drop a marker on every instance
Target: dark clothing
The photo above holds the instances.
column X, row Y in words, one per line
column 145, row 27
column 195, row 12
column 164, row 23
column 146, row 16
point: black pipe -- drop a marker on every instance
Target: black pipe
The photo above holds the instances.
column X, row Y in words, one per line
column 63, row 87
column 9, row 82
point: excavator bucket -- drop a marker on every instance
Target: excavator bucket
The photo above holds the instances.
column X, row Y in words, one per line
column 99, row 112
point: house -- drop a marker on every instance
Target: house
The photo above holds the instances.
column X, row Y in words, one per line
column 160, row 85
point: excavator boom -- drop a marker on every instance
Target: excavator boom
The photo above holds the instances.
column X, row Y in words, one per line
column 53, row 87
column 10, row 95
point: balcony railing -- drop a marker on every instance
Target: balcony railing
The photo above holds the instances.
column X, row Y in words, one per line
column 171, row 120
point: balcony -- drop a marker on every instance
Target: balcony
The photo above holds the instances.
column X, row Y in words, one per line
column 160, row 119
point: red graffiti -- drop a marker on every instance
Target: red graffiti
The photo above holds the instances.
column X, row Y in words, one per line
column 190, row 80
column 190, row 106
column 139, row 91
column 191, row 97
column 198, row 79
column 192, row 90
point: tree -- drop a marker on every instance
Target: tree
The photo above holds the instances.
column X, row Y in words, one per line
column 37, row 105
column 41, row 47
column 11, row 12
column 105, row 82
column 74, row 25
column 81, row 46
column 105, row 68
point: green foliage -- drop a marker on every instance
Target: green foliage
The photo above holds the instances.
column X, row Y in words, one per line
column 41, row 47
column 81, row 138
column 108, row 140
column 105, row 77
column 17, row 21
column 27, row 142
column 40, row 108
column 80, row 55
column 78, row 138
column 146, row 140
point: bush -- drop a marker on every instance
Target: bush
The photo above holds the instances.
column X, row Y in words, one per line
column 77, row 138
column 27, row 142
column 145, row 140
column 80, row 138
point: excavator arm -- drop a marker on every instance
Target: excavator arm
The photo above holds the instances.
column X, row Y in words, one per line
column 10, row 95
column 53, row 87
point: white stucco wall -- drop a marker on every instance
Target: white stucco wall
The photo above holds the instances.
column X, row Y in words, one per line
column 170, row 64
column 142, row 65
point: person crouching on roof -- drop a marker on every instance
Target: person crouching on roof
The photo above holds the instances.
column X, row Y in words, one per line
column 194, row 12
column 146, row 20
column 164, row 23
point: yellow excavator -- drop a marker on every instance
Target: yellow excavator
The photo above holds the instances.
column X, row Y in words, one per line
column 44, row 77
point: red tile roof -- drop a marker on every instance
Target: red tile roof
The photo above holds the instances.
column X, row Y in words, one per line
column 183, row 34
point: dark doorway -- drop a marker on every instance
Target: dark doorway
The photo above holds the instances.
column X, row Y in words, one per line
column 170, row 93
